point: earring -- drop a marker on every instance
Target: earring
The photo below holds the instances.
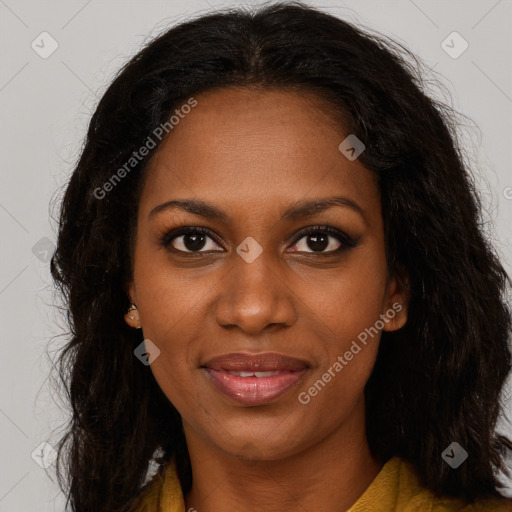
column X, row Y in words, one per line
column 132, row 318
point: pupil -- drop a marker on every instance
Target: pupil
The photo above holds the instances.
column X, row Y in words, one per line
column 194, row 241
column 318, row 242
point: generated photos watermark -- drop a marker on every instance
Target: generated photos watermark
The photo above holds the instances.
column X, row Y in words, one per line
column 137, row 156
column 342, row 360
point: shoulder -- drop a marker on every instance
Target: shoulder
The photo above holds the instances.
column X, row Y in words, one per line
column 148, row 498
column 163, row 492
column 490, row 505
column 416, row 498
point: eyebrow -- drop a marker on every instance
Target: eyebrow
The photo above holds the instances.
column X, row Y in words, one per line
column 300, row 209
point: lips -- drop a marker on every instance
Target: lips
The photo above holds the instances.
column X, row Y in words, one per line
column 255, row 379
column 262, row 362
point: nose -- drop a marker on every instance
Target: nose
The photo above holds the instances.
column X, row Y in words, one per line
column 255, row 297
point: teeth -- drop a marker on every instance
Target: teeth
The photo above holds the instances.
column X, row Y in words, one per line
column 256, row 374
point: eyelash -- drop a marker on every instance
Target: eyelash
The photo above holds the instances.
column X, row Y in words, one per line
column 346, row 241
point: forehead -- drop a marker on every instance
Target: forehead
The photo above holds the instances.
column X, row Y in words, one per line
column 256, row 145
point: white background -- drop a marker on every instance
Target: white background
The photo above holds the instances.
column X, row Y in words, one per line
column 46, row 105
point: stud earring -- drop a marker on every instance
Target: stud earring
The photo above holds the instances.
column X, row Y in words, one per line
column 132, row 317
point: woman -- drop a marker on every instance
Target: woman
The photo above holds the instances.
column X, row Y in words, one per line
column 277, row 282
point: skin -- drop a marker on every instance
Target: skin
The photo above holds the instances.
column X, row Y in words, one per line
column 253, row 153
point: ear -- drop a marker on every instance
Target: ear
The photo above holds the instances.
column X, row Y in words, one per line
column 132, row 317
column 129, row 289
column 397, row 300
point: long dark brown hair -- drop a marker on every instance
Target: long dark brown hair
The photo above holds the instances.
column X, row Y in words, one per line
column 437, row 380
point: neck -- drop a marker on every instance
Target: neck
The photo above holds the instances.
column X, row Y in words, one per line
column 331, row 474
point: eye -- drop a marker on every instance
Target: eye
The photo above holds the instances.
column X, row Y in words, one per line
column 189, row 240
column 323, row 240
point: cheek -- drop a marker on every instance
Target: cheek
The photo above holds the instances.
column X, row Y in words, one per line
column 165, row 308
column 171, row 371
column 347, row 306
column 168, row 299
column 348, row 299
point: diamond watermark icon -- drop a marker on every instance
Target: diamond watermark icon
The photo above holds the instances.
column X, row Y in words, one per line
column 147, row 352
column 44, row 249
column 44, row 45
column 454, row 45
column 249, row 249
column 454, row 455
column 352, row 147
column 44, row 455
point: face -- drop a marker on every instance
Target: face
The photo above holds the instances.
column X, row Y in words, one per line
column 246, row 263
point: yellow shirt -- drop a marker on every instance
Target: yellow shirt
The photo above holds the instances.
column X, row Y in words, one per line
column 395, row 489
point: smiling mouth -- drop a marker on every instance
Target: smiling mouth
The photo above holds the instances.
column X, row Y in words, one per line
column 255, row 379
column 252, row 387
column 254, row 374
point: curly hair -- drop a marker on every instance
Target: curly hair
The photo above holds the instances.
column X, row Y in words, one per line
column 436, row 380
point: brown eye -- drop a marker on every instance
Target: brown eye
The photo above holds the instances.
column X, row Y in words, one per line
column 191, row 240
column 323, row 240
